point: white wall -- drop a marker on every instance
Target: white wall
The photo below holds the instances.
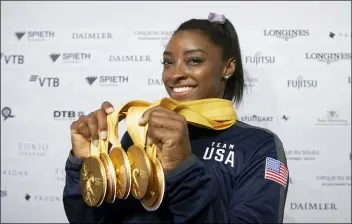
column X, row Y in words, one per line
column 35, row 144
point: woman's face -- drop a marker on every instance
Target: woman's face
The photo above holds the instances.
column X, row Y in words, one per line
column 194, row 67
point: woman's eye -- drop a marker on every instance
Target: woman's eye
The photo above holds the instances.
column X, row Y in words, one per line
column 166, row 62
column 195, row 61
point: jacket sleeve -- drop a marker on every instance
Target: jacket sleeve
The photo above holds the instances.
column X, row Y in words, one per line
column 195, row 191
column 76, row 210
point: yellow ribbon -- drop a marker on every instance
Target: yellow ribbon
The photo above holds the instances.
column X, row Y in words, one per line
column 214, row 113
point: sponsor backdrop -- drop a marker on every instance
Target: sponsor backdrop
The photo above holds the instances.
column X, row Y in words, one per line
column 60, row 60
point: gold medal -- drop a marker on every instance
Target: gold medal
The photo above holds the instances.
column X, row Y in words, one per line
column 93, row 181
column 110, row 177
column 122, row 171
column 141, row 172
column 156, row 195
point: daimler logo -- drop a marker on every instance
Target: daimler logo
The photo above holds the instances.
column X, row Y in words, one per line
column 313, row 206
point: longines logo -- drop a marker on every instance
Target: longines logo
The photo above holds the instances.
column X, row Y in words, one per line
column 45, row 81
column 70, row 57
column 313, row 206
column 6, row 112
column 33, row 149
column 286, row 34
column 12, row 59
column 302, row 155
column 129, row 58
column 107, row 81
column 14, row 172
column 155, row 82
column 332, row 117
column 258, row 58
column 92, row 36
column 35, row 35
column 328, row 181
column 328, row 58
column 301, row 83
column 256, row 118
column 42, row 198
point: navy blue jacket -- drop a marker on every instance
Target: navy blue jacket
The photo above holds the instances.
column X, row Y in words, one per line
column 223, row 182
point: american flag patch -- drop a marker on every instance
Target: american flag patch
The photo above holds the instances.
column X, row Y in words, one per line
column 276, row 171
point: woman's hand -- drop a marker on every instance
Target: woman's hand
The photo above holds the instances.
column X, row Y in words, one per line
column 89, row 128
column 169, row 132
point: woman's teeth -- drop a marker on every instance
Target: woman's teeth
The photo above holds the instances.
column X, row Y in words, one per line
column 182, row 89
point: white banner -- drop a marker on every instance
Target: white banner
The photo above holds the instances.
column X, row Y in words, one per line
column 63, row 59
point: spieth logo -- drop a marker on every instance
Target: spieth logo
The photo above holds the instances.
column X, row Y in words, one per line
column 92, row 36
column 67, row 114
column 45, row 81
column 12, row 59
column 33, row 149
column 312, row 206
column 42, row 198
column 332, row 118
column 70, row 57
column 286, row 34
column 129, row 58
column 107, row 81
column 256, row 119
column 6, row 112
column 300, row 83
column 259, row 59
column 302, row 155
column 328, row 58
column 35, row 35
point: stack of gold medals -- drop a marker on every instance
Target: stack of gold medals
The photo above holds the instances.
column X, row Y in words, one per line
column 110, row 173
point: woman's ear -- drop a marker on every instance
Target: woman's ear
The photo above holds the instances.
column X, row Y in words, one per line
column 229, row 68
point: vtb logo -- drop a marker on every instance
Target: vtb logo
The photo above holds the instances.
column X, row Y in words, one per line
column 45, row 81
column 16, row 59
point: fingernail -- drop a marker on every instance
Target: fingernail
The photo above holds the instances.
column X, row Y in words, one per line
column 96, row 143
column 109, row 110
column 140, row 120
column 103, row 134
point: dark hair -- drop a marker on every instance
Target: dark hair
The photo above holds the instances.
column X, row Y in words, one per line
column 225, row 36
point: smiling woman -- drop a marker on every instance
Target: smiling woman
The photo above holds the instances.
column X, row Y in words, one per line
column 237, row 174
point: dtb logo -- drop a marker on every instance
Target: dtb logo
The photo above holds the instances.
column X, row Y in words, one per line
column 45, row 81
column 14, row 59
column 67, row 114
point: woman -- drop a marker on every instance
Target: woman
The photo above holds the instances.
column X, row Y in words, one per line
column 235, row 175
